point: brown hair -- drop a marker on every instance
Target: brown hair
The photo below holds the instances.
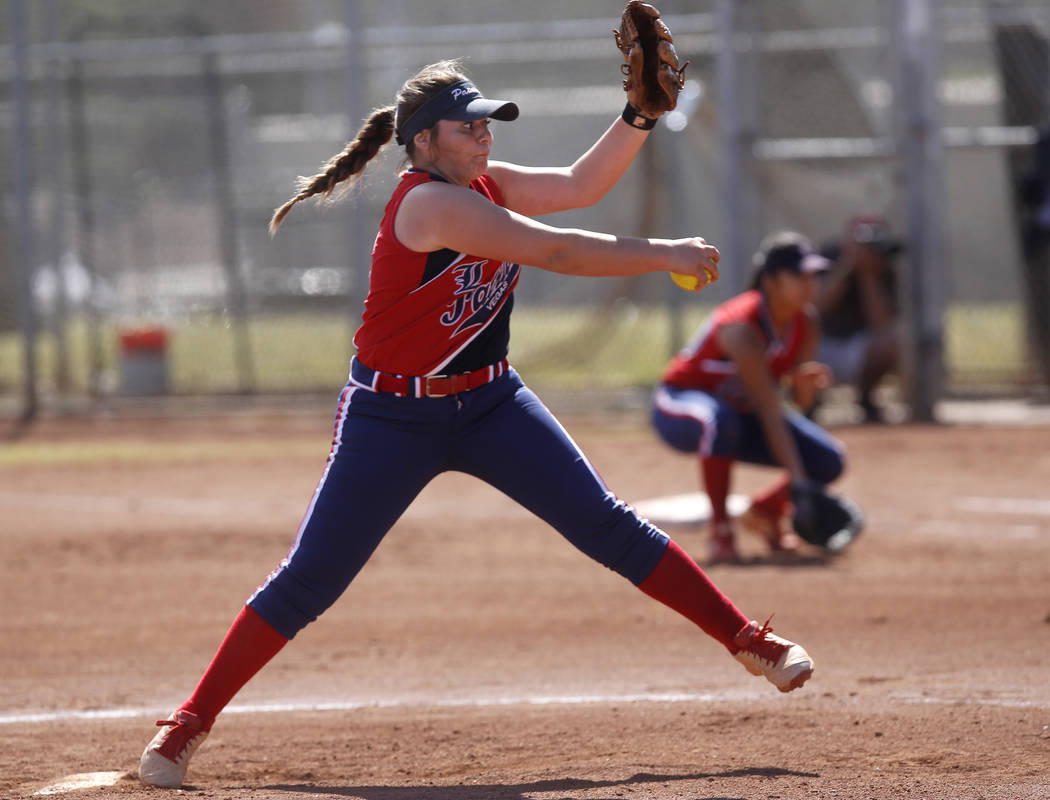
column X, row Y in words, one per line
column 378, row 129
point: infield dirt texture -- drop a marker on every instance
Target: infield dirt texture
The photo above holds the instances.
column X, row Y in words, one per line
column 479, row 656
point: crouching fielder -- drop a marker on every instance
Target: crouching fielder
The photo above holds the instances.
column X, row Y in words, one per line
column 720, row 396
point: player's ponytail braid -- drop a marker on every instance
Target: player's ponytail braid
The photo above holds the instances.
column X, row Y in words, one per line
column 376, row 132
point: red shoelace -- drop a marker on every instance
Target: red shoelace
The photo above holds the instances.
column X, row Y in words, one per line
column 177, row 739
column 762, row 646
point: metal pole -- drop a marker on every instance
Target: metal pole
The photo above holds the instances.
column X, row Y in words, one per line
column 737, row 80
column 924, row 297
column 733, row 248
column 78, row 126
column 356, row 83
column 227, row 221
column 665, row 199
column 54, row 163
column 24, row 219
column 669, row 141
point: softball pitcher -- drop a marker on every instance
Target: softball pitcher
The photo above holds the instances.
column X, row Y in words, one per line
column 430, row 388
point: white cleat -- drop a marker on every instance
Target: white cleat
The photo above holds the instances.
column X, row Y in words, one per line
column 166, row 757
column 784, row 664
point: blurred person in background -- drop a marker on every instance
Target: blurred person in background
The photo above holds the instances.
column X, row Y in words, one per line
column 857, row 301
column 430, row 388
column 720, row 396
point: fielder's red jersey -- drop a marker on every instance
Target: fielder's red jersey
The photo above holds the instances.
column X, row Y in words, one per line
column 434, row 313
column 704, row 364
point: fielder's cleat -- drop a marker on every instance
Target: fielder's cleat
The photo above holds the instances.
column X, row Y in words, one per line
column 784, row 664
column 770, row 527
column 166, row 757
column 723, row 547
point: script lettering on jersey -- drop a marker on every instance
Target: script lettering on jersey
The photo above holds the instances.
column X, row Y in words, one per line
column 475, row 302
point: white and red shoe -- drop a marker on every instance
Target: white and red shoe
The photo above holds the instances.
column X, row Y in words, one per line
column 723, row 545
column 166, row 757
column 772, row 527
column 784, row 664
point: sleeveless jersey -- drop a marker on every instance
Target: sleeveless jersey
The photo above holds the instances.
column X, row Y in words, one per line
column 434, row 313
column 704, row 364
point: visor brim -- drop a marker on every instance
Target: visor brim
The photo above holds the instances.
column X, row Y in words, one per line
column 814, row 262
column 482, row 107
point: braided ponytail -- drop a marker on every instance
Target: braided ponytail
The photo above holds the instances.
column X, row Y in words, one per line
column 347, row 165
column 376, row 132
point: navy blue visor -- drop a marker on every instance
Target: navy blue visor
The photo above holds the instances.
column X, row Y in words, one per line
column 461, row 102
column 798, row 257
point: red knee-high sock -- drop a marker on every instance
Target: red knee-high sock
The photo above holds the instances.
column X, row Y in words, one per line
column 773, row 501
column 680, row 584
column 716, row 473
column 250, row 642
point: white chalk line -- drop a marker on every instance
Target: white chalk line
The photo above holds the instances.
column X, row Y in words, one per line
column 1027, row 506
column 688, row 509
column 972, row 701
column 62, row 715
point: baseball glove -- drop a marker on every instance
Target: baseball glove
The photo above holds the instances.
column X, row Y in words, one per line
column 825, row 520
column 652, row 77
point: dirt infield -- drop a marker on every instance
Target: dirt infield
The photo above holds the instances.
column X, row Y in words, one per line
column 479, row 656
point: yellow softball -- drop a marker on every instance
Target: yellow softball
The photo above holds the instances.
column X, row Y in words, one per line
column 691, row 283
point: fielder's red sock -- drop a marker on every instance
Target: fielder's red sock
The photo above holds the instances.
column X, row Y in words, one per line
column 680, row 584
column 716, row 472
column 250, row 642
column 773, row 501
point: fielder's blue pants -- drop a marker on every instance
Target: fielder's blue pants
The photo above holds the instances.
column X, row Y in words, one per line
column 694, row 421
column 387, row 448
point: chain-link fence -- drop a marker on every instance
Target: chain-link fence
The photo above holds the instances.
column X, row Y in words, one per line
column 152, row 144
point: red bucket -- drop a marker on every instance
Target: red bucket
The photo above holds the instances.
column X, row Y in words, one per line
column 143, row 340
column 143, row 360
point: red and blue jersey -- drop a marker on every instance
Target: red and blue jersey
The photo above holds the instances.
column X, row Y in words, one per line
column 442, row 312
column 704, row 364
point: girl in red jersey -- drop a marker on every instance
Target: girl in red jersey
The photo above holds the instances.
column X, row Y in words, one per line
column 430, row 388
column 720, row 396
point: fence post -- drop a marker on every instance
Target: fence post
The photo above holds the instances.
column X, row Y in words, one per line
column 356, row 94
column 919, row 138
column 24, row 219
column 55, row 176
column 226, row 217
column 736, row 82
column 85, row 212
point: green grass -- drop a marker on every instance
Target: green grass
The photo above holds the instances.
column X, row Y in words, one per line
column 985, row 340
column 568, row 349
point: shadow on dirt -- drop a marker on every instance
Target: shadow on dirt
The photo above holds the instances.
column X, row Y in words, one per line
column 523, row 790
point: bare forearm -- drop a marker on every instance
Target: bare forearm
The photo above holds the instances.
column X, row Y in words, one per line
column 877, row 308
column 747, row 350
column 576, row 252
column 781, row 445
column 833, row 291
column 534, row 191
column 579, row 252
column 598, row 170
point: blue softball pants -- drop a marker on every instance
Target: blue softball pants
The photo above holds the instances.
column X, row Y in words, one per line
column 387, row 448
column 694, row 421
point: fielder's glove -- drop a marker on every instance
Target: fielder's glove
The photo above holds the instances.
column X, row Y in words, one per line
column 653, row 78
column 824, row 520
